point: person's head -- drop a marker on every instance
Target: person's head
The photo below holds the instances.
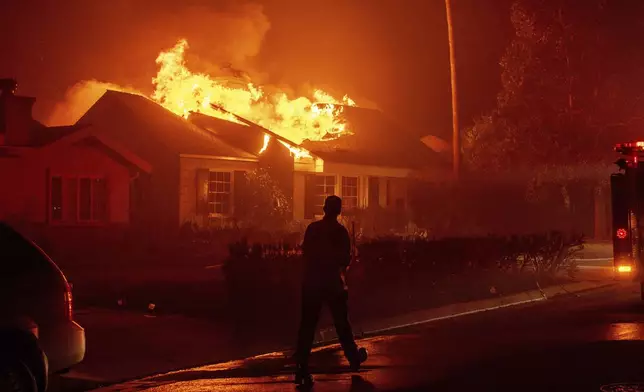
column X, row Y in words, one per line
column 332, row 206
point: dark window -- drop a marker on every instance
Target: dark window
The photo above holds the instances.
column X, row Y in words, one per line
column 78, row 199
column 374, row 192
column 349, row 193
column 388, row 201
column 219, row 191
column 324, row 187
column 56, row 198
column 99, row 200
column 85, row 200
column 70, row 200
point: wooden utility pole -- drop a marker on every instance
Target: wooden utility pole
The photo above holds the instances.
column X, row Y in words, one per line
column 456, row 133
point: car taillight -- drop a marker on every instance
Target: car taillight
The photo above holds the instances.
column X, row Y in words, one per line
column 69, row 308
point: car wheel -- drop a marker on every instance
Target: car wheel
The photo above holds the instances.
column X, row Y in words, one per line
column 15, row 376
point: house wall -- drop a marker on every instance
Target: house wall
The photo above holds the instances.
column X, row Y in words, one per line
column 25, row 194
column 392, row 186
column 188, row 195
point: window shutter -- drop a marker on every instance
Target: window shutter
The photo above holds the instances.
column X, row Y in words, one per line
column 309, row 196
column 202, row 191
column 240, row 194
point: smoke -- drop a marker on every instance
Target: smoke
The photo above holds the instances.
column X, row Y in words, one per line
column 79, row 98
column 224, row 38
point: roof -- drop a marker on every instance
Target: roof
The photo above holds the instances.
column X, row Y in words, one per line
column 248, row 137
column 150, row 130
column 42, row 135
column 376, row 141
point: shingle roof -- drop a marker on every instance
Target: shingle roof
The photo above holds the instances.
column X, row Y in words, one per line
column 149, row 129
column 376, row 141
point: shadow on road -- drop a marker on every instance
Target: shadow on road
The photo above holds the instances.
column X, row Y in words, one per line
column 359, row 384
column 262, row 369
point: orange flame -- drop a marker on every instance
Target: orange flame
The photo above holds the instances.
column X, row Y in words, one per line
column 267, row 138
column 297, row 152
column 181, row 91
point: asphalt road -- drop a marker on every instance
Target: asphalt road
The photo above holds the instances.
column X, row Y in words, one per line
column 572, row 343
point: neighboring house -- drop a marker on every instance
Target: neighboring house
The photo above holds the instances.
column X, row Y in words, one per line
column 60, row 175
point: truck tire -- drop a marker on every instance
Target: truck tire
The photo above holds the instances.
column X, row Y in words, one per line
column 15, row 376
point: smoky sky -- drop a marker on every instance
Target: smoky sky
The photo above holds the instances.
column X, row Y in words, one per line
column 394, row 53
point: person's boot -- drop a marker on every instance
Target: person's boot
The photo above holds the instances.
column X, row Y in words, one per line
column 303, row 378
column 361, row 356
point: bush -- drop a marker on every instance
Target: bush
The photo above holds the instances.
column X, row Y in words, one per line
column 263, row 281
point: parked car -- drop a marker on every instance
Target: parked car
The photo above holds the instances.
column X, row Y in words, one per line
column 38, row 336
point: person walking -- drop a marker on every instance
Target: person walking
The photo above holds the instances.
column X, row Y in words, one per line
column 327, row 255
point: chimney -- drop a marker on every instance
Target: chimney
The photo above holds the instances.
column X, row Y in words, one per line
column 15, row 115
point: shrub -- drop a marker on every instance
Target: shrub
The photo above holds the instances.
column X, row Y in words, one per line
column 264, row 280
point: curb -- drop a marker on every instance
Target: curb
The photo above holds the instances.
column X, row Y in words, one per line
column 421, row 317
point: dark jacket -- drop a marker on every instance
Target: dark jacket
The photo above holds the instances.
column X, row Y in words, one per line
column 327, row 253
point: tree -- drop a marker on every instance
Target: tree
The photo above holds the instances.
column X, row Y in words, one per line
column 267, row 206
column 570, row 88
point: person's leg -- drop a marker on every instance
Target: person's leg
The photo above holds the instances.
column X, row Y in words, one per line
column 311, row 306
column 340, row 312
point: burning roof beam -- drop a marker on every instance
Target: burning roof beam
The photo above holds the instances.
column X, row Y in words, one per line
column 296, row 151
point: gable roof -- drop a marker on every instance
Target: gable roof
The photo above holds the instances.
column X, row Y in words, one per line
column 152, row 131
column 249, row 137
column 376, row 141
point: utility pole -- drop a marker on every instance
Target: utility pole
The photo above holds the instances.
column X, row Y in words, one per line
column 456, row 133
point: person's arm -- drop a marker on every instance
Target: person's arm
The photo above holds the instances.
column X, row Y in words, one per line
column 306, row 243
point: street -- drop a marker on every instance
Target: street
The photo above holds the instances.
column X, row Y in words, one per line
column 577, row 342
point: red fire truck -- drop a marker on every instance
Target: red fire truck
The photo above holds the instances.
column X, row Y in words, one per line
column 627, row 195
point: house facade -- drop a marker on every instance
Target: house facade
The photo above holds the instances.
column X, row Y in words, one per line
column 60, row 176
column 131, row 163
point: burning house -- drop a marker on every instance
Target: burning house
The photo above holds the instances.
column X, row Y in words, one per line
column 183, row 155
column 130, row 161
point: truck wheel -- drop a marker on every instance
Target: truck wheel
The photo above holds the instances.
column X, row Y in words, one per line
column 15, row 376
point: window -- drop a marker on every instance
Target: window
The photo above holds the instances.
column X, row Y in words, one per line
column 56, row 199
column 219, row 190
column 349, row 193
column 324, row 187
column 82, row 199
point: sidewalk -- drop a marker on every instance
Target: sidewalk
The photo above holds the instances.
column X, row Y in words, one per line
column 374, row 327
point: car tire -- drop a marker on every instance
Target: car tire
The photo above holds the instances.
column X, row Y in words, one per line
column 15, row 376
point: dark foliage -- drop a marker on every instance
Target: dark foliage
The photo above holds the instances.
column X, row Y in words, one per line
column 391, row 275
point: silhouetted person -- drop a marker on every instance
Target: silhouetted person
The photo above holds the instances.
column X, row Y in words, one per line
column 327, row 254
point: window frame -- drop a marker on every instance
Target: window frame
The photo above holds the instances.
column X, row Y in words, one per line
column 92, row 221
column 356, row 196
column 231, row 196
column 318, row 207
